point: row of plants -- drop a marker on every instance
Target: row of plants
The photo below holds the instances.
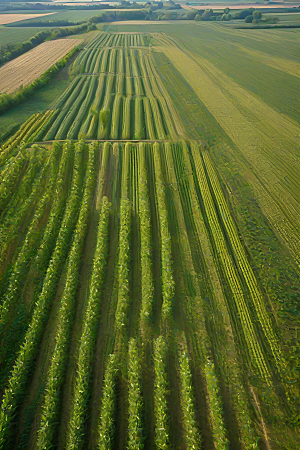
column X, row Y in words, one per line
column 187, row 401
column 12, row 221
column 35, row 271
column 243, row 323
column 121, row 315
column 69, row 118
column 80, row 117
column 160, row 395
column 10, row 177
column 28, row 350
column 245, row 267
column 14, row 141
column 193, row 305
column 88, row 337
column 30, row 244
column 31, row 131
column 106, row 427
column 64, row 106
column 89, row 92
column 56, row 372
column 146, row 314
column 167, row 279
column 223, row 336
column 90, row 126
column 135, row 404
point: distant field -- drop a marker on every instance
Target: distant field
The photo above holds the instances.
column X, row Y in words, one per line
column 14, row 35
column 72, row 16
column 11, row 18
column 26, row 68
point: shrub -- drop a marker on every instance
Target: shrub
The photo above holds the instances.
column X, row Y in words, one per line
column 257, row 15
column 244, row 13
column 198, row 18
column 191, row 15
column 207, row 14
column 249, row 19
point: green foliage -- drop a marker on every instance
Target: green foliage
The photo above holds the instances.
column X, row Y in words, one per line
column 106, row 419
column 207, row 15
column 24, row 361
column 257, row 14
column 135, row 435
column 56, row 371
column 168, row 285
column 88, row 337
column 146, row 243
column 198, row 18
column 249, row 19
column 244, row 13
column 191, row 15
column 160, row 393
column 187, row 402
column 121, row 317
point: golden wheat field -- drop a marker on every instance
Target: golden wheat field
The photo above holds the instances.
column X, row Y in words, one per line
column 26, row 68
column 11, row 18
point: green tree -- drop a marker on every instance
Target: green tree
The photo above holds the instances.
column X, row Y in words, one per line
column 198, row 18
column 226, row 10
column 191, row 15
column 207, row 14
column 257, row 15
column 249, row 19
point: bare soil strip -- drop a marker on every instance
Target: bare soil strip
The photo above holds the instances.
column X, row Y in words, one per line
column 26, row 68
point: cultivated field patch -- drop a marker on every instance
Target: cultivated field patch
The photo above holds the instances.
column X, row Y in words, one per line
column 11, row 18
column 245, row 119
column 26, row 68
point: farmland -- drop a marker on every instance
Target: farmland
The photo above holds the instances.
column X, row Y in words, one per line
column 15, row 35
column 11, row 18
column 21, row 72
column 149, row 261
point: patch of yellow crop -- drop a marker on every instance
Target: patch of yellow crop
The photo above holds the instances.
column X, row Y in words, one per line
column 11, row 18
column 26, row 68
column 267, row 139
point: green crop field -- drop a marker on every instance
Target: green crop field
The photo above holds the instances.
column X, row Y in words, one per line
column 70, row 15
column 14, row 35
column 149, row 246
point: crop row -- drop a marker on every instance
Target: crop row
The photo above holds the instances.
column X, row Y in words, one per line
column 117, row 40
column 25, row 358
column 56, row 371
column 121, row 315
column 146, row 242
column 193, row 305
column 223, row 338
column 168, row 284
column 88, row 337
column 95, row 110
